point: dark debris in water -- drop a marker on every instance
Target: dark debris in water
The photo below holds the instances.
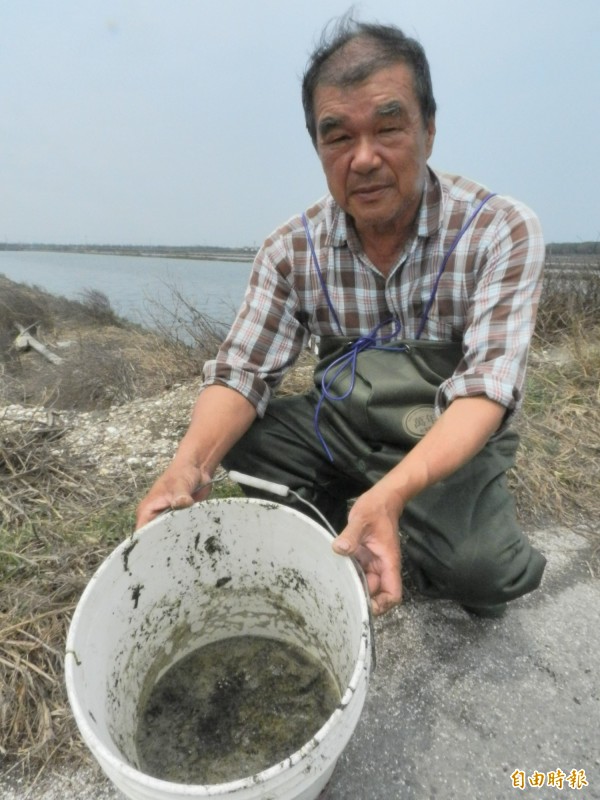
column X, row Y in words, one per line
column 232, row 709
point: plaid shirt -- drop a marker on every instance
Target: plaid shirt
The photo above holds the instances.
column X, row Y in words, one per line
column 487, row 296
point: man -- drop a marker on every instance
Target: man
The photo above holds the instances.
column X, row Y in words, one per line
column 423, row 291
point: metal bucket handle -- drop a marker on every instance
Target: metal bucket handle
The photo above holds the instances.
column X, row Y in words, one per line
column 280, row 490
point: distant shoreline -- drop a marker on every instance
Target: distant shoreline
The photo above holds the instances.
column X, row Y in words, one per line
column 241, row 254
column 581, row 257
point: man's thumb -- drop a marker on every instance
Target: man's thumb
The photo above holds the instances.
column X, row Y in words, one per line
column 346, row 544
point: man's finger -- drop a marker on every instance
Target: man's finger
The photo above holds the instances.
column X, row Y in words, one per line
column 385, row 601
column 182, row 501
column 156, row 503
column 349, row 540
column 147, row 511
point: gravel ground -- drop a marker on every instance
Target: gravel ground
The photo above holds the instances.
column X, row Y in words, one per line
column 84, row 783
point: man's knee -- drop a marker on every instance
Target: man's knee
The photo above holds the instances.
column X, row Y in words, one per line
column 491, row 575
column 477, row 574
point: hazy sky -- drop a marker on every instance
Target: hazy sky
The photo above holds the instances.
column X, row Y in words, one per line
column 180, row 122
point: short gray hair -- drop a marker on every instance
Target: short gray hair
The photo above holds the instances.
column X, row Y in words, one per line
column 383, row 45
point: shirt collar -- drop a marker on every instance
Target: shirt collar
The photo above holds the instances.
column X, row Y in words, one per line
column 338, row 232
column 429, row 216
column 431, row 212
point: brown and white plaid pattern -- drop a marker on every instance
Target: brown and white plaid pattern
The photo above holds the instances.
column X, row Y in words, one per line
column 487, row 296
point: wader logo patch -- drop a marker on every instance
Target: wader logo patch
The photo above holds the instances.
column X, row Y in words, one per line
column 418, row 421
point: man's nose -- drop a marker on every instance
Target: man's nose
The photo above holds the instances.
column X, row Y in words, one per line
column 365, row 157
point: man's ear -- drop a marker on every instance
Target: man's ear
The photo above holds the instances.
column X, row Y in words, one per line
column 430, row 136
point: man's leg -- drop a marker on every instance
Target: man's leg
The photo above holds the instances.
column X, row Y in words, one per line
column 283, row 448
column 462, row 536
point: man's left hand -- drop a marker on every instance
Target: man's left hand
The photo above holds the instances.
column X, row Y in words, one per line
column 371, row 536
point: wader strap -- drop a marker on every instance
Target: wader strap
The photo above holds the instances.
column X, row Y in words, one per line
column 320, row 274
column 451, row 249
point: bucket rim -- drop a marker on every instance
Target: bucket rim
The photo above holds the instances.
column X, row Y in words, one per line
column 131, row 541
column 110, row 762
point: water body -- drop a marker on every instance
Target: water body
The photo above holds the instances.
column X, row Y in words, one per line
column 232, row 709
column 135, row 285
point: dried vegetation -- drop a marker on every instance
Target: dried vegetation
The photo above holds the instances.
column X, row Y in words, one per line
column 59, row 518
column 558, row 469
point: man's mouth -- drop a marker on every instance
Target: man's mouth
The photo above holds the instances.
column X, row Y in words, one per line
column 369, row 192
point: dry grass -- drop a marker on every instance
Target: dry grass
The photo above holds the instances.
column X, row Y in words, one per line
column 43, row 570
column 47, row 555
column 182, row 323
column 110, row 366
column 58, row 524
column 42, row 578
column 37, row 480
column 34, row 719
column 558, row 468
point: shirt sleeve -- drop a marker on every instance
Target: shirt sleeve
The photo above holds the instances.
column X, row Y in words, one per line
column 502, row 312
column 266, row 336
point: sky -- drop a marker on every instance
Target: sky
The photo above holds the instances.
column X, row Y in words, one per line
column 179, row 122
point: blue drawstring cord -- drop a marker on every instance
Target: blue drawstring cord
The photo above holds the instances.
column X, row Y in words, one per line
column 451, row 249
column 371, row 341
column 315, row 261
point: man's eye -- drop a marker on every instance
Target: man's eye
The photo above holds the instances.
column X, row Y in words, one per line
column 339, row 138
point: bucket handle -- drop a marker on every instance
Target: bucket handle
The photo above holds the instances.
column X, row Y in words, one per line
column 280, row 490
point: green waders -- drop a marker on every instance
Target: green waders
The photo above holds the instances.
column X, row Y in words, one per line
column 460, row 536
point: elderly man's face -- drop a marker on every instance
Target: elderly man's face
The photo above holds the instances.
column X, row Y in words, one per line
column 374, row 146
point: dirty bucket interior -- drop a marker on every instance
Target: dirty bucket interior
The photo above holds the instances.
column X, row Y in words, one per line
column 221, row 569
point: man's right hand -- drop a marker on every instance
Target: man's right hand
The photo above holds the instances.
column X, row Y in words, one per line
column 176, row 488
column 220, row 417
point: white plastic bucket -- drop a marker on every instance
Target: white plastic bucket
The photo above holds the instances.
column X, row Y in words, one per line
column 219, row 569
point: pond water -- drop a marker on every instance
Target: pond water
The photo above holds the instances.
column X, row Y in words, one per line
column 136, row 286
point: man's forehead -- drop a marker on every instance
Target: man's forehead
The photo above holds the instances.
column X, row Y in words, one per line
column 390, row 90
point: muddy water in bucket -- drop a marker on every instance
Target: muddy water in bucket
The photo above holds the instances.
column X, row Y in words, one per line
column 219, row 570
column 232, row 709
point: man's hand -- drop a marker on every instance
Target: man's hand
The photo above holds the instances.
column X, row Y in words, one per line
column 176, row 488
column 371, row 536
column 220, row 417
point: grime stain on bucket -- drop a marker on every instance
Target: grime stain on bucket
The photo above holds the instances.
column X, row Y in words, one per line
column 135, row 594
column 127, row 553
column 231, row 709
